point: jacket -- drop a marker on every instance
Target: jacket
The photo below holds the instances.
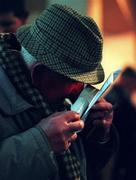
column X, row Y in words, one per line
column 24, row 149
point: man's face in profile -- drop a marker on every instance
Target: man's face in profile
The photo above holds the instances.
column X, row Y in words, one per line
column 9, row 22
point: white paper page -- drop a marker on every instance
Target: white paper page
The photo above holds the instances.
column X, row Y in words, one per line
column 105, row 86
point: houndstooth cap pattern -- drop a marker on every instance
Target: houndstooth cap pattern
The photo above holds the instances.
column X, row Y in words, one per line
column 66, row 42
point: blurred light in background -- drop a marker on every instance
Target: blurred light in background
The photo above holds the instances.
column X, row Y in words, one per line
column 35, row 7
column 79, row 5
column 115, row 19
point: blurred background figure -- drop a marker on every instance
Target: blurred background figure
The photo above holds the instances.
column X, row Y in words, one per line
column 13, row 13
column 123, row 94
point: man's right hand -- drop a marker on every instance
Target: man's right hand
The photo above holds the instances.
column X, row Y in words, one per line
column 61, row 129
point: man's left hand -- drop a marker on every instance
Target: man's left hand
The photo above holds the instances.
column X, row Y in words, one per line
column 100, row 118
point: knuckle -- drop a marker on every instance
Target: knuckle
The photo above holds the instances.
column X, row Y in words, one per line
column 75, row 114
column 74, row 136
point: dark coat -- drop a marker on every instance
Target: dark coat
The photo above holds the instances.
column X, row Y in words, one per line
column 24, row 149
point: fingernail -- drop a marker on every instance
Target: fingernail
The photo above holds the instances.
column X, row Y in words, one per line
column 82, row 124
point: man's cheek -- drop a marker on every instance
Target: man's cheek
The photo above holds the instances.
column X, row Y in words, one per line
column 75, row 89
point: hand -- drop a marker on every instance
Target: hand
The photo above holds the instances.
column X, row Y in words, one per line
column 61, row 129
column 102, row 113
column 100, row 117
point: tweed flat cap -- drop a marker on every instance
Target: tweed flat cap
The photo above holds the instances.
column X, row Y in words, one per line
column 66, row 42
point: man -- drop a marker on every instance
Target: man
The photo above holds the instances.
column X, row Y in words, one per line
column 13, row 14
column 35, row 144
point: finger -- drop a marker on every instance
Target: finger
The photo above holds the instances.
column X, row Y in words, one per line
column 101, row 114
column 103, row 123
column 75, row 126
column 71, row 116
column 65, row 146
column 102, row 106
column 68, row 144
column 96, row 115
column 100, row 100
column 56, row 114
column 108, row 113
column 97, row 122
column 73, row 137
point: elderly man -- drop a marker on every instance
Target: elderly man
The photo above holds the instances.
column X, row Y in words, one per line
column 39, row 138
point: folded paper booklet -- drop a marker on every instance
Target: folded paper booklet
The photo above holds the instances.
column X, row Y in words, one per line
column 90, row 95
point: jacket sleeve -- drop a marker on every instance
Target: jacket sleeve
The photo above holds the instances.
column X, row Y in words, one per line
column 27, row 156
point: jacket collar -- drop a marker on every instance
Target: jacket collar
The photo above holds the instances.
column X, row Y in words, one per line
column 11, row 102
column 28, row 58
